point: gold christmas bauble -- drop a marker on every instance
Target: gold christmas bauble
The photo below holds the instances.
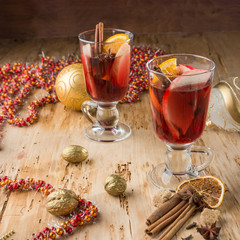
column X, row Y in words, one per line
column 70, row 86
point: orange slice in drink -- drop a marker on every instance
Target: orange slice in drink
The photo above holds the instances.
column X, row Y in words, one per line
column 211, row 188
column 154, row 100
column 114, row 42
column 169, row 66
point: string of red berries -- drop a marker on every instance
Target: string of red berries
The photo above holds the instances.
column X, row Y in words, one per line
column 87, row 212
column 18, row 80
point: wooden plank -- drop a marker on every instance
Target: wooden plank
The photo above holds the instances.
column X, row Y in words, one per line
column 61, row 18
column 35, row 151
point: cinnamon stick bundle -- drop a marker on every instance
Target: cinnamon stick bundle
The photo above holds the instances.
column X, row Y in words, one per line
column 168, row 218
column 165, row 207
column 173, row 213
column 178, row 223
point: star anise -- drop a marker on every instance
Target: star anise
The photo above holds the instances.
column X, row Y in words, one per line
column 209, row 232
column 193, row 198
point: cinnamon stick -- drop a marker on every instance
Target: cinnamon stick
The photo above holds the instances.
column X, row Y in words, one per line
column 178, row 223
column 96, row 39
column 168, row 218
column 165, row 207
column 100, row 27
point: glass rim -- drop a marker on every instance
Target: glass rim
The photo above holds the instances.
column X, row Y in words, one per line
column 130, row 34
column 180, row 54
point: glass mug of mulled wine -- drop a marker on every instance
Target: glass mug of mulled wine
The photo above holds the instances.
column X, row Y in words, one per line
column 179, row 89
column 106, row 62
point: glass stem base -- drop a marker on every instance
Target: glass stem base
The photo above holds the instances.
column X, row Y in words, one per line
column 100, row 134
column 180, row 165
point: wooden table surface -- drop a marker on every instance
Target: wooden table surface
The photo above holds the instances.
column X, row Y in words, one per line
column 35, row 151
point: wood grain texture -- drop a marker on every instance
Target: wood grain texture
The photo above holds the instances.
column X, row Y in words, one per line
column 67, row 18
column 35, row 151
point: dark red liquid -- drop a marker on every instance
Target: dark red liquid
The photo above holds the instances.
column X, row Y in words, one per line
column 179, row 115
column 106, row 76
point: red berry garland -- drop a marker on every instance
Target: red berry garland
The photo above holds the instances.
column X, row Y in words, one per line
column 18, row 80
column 87, row 212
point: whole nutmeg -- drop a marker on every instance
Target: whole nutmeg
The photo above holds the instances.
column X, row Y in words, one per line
column 74, row 154
column 61, row 202
column 115, row 185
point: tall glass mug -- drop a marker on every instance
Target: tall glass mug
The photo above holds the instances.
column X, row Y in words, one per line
column 106, row 67
column 179, row 105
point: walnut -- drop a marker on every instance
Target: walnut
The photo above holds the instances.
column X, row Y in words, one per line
column 61, row 202
column 115, row 185
column 74, row 154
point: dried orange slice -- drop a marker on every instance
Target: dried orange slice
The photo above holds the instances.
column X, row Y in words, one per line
column 211, row 188
column 115, row 42
column 169, row 66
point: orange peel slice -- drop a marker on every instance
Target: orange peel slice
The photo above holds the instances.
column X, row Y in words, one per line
column 210, row 187
column 169, row 66
column 115, row 42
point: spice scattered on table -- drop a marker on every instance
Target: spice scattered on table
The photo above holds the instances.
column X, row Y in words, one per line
column 188, row 237
column 210, row 232
column 192, row 225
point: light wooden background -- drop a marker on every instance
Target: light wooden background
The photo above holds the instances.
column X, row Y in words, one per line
column 35, row 151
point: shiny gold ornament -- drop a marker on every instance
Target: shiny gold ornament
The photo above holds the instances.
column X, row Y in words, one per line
column 70, row 86
column 115, row 185
column 231, row 100
column 74, row 154
column 224, row 105
column 61, row 202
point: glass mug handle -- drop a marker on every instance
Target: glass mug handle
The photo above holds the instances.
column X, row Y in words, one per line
column 104, row 115
column 207, row 154
column 190, row 161
column 89, row 110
